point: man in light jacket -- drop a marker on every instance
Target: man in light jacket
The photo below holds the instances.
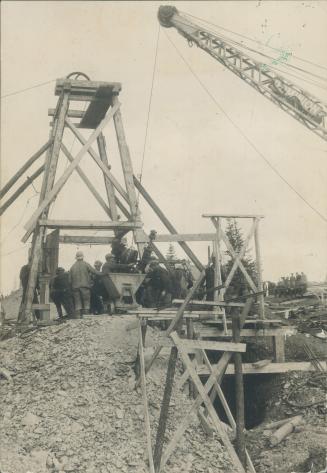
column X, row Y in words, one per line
column 80, row 280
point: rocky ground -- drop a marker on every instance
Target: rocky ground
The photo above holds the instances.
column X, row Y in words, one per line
column 72, row 406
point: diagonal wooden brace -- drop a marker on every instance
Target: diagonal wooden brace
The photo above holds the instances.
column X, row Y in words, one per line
column 63, row 179
column 207, row 402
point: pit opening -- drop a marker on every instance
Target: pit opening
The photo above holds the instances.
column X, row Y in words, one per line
column 257, row 395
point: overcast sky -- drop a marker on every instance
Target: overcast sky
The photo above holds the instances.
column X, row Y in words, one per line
column 196, row 161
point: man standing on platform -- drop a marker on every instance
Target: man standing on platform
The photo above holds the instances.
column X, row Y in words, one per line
column 80, row 279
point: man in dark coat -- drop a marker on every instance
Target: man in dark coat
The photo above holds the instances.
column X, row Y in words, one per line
column 23, row 276
column 60, row 293
column 97, row 291
column 111, row 292
column 159, row 281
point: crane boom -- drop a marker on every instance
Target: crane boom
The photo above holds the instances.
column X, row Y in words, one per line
column 302, row 105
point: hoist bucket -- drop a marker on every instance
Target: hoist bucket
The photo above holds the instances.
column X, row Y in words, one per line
column 127, row 284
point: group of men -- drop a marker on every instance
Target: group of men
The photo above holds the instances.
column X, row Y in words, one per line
column 293, row 285
column 86, row 289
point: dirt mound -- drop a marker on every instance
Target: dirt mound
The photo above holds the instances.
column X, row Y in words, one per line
column 72, row 406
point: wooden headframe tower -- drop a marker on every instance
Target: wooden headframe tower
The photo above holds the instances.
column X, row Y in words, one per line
column 102, row 100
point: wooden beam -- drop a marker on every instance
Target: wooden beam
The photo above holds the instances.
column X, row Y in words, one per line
column 206, row 345
column 108, row 184
column 167, row 223
column 21, row 171
column 21, row 189
column 70, row 113
column 181, row 237
column 232, row 216
column 212, row 332
column 87, row 181
column 272, row 368
column 88, row 224
column 63, row 179
column 211, row 303
column 85, row 240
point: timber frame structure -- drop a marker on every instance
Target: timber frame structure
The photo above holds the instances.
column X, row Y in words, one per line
column 101, row 105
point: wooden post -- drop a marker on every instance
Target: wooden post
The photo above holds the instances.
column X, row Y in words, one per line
column 145, row 403
column 190, row 336
column 279, row 348
column 259, row 268
column 39, row 232
column 240, row 425
column 127, row 171
column 109, row 186
column 165, row 408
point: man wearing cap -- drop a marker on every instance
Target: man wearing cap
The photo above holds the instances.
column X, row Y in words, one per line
column 80, row 279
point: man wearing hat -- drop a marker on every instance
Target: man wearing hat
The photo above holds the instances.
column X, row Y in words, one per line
column 97, row 290
column 80, row 279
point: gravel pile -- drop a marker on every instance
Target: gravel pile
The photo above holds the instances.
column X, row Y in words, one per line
column 72, row 404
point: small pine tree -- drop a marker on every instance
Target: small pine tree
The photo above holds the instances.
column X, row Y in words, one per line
column 171, row 254
column 238, row 285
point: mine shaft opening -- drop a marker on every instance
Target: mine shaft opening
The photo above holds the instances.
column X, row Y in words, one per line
column 257, row 395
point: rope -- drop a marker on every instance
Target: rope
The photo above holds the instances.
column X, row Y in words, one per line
column 149, row 107
column 249, row 141
column 27, row 88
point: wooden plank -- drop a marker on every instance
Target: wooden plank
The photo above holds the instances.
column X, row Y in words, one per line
column 41, row 306
column 87, row 181
column 207, row 345
column 88, row 224
column 63, row 179
column 209, row 332
column 233, row 216
column 70, row 113
column 167, row 223
column 211, row 303
column 181, row 237
column 87, row 86
column 109, row 186
column 21, row 189
column 213, row 414
column 96, row 158
column 85, row 240
column 272, row 368
column 25, row 166
column 145, row 402
column 97, row 109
